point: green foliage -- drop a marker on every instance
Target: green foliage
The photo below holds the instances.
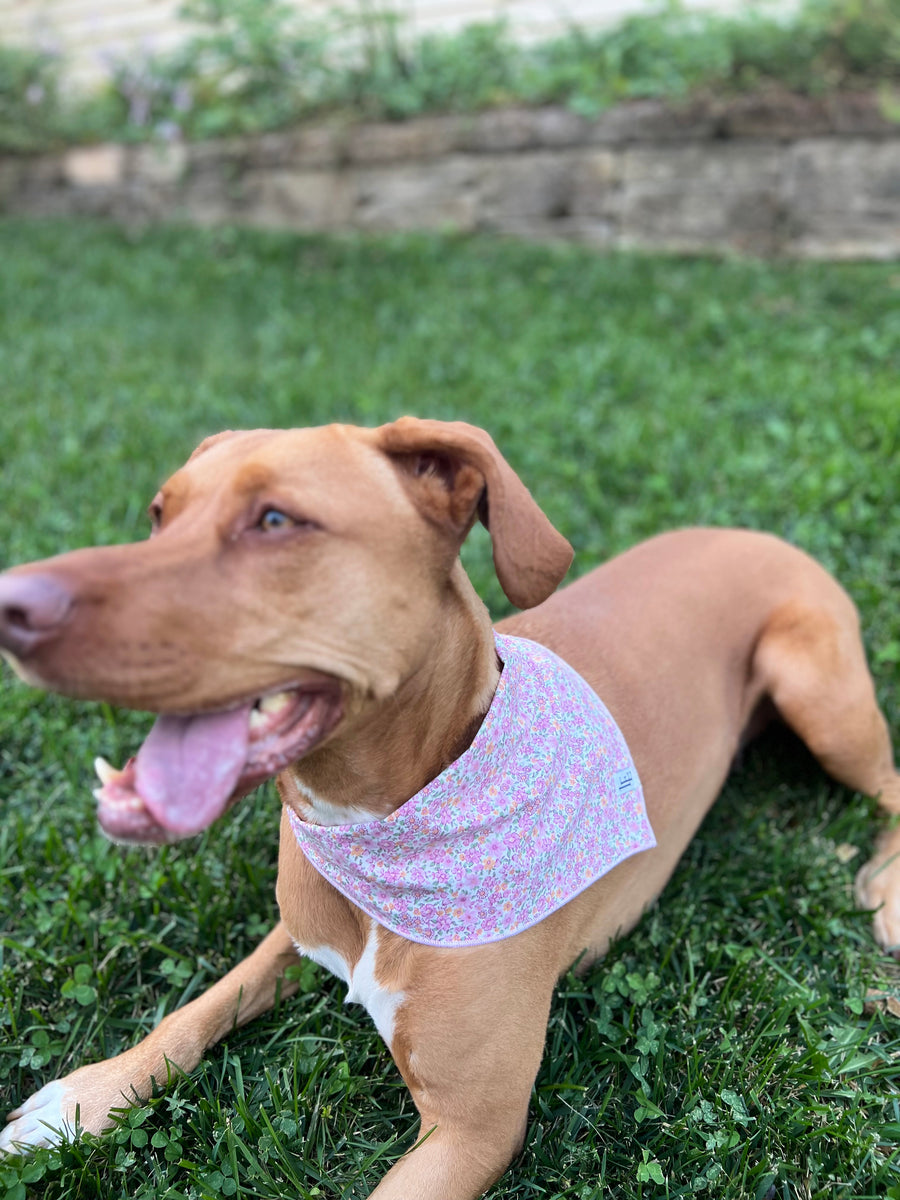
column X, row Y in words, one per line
column 666, row 54
column 729, row 1047
column 474, row 69
column 866, row 35
column 824, row 45
column 254, row 65
column 29, row 110
column 257, row 67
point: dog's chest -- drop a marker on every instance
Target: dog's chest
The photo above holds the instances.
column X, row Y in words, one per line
column 363, row 986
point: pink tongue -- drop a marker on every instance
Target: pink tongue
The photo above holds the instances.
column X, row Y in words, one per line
column 188, row 767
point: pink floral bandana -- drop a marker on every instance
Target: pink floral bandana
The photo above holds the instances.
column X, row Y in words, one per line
column 544, row 802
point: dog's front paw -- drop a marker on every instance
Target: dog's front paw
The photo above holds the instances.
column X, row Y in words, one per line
column 45, row 1119
column 88, row 1100
column 878, row 888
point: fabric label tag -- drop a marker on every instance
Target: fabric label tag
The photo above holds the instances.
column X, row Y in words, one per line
column 625, row 781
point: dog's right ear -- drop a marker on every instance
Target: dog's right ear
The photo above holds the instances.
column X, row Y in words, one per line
column 456, row 474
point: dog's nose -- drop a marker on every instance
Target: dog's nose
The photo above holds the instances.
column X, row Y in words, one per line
column 32, row 608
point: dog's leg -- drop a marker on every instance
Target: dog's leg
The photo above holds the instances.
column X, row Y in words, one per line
column 468, row 1040
column 812, row 663
column 86, row 1096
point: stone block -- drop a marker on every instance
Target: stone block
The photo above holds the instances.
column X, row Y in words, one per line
column 319, row 145
column 309, row 146
column 205, row 197
column 221, row 154
column 272, row 150
column 558, row 128
column 597, row 185
column 845, row 194
column 212, row 187
column 422, row 139
column 195, row 208
column 440, row 195
column 303, row 200
column 94, row 166
column 696, row 196
column 526, row 187
column 652, row 121
column 45, row 171
column 777, row 115
column 501, row 131
column 159, row 163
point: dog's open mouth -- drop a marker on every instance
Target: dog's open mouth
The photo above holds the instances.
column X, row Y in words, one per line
column 190, row 768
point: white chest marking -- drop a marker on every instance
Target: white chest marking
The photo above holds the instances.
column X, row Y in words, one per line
column 362, row 987
column 327, row 957
column 319, row 811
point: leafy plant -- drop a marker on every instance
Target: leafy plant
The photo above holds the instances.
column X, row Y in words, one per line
column 258, row 66
column 29, row 105
column 253, row 65
column 474, row 69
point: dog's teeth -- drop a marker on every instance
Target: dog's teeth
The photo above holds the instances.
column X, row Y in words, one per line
column 268, row 707
column 106, row 772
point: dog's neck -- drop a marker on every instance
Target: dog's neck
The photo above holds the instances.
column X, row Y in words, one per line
column 444, row 701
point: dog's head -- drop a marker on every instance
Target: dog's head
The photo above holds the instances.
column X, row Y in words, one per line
column 292, row 581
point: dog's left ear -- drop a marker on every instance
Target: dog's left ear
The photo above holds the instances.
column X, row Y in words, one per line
column 455, row 473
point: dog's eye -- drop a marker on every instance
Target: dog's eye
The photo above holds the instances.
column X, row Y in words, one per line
column 274, row 518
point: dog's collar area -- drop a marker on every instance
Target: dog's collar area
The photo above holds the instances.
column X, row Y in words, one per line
column 544, row 802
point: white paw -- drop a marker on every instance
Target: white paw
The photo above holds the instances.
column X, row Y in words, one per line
column 41, row 1121
column 878, row 888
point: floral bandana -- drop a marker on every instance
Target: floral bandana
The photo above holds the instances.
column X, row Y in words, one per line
column 544, row 802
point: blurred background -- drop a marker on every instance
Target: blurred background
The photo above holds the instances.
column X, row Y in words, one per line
column 89, row 34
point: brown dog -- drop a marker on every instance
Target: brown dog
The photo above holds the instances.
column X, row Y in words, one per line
column 301, row 609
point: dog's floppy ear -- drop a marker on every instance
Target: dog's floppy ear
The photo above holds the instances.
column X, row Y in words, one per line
column 454, row 473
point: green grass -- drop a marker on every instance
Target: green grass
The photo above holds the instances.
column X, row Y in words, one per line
column 725, row 1048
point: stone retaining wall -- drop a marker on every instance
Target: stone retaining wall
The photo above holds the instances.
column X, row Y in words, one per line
column 772, row 175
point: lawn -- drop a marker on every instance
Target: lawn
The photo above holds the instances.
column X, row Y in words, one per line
column 739, row 1043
